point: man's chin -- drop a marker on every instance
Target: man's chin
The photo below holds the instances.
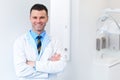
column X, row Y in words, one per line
column 40, row 30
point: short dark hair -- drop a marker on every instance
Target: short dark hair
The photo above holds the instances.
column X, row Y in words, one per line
column 39, row 7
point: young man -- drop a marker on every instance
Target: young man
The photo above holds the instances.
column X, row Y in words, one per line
column 38, row 56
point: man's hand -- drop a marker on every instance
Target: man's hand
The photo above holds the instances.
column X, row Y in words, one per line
column 55, row 57
column 31, row 63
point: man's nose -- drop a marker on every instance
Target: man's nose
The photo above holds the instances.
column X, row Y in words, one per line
column 38, row 20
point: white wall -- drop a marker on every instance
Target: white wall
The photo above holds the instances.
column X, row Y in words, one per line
column 83, row 33
column 113, row 3
column 14, row 21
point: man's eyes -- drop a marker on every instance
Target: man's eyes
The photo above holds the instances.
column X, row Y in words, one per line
column 34, row 17
column 42, row 17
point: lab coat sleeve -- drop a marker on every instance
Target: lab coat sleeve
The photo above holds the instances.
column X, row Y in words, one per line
column 21, row 68
column 50, row 66
column 53, row 66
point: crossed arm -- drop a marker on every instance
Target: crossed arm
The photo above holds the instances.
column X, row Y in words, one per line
column 24, row 68
column 55, row 57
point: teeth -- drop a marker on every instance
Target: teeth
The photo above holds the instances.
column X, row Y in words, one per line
column 38, row 25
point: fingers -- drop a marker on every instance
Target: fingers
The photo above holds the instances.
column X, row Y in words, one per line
column 55, row 57
column 31, row 63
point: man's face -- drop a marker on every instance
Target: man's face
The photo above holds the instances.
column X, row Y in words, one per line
column 38, row 20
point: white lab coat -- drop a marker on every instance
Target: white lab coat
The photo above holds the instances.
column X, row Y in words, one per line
column 25, row 49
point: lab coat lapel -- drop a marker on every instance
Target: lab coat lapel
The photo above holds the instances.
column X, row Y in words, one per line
column 31, row 41
column 45, row 42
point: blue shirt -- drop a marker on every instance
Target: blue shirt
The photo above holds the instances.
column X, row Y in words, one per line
column 34, row 35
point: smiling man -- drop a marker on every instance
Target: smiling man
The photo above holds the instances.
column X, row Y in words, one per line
column 38, row 56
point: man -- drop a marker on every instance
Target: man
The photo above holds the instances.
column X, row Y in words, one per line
column 38, row 56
